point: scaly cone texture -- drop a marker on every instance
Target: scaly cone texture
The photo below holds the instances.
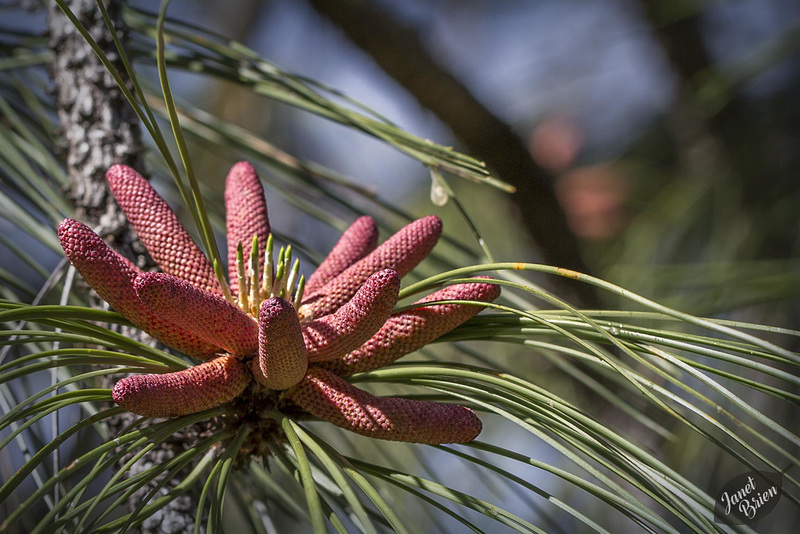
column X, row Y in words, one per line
column 357, row 241
column 333, row 399
column 413, row 329
column 112, row 276
column 158, row 227
column 342, row 326
column 401, row 252
column 213, row 319
column 188, row 391
column 282, row 359
column 354, row 323
column 245, row 216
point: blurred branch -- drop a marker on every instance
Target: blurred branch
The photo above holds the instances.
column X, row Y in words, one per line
column 677, row 27
column 726, row 140
column 397, row 49
column 201, row 51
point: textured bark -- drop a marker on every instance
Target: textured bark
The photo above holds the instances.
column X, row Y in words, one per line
column 99, row 129
column 398, row 50
column 98, row 126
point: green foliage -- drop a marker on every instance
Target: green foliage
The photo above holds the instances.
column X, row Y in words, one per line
column 582, row 427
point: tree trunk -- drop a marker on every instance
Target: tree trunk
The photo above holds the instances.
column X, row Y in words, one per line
column 98, row 126
column 100, row 129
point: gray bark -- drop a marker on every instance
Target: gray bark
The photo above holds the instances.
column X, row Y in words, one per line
column 100, row 129
column 98, row 126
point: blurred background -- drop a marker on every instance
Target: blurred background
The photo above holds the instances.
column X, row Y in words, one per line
column 668, row 132
column 654, row 144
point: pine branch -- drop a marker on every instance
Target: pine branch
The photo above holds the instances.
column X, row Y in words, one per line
column 398, row 50
column 99, row 129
